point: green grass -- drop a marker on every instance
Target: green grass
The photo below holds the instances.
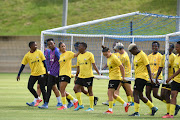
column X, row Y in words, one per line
column 30, row 17
column 14, row 96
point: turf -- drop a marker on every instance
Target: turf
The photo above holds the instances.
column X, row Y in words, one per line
column 14, row 96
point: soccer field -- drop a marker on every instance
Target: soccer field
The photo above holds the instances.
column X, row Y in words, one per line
column 14, row 95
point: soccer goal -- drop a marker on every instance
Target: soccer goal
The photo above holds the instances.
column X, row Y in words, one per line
column 135, row 27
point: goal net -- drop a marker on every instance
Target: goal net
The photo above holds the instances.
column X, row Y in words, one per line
column 139, row 28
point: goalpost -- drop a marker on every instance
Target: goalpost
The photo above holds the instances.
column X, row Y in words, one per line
column 135, row 27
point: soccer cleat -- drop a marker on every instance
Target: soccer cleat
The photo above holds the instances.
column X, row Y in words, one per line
column 106, row 103
column 154, row 110
column 177, row 110
column 168, row 116
column 70, row 104
column 131, row 103
column 44, row 106
column 95, row 100
column 79, row 107
column 135, row 114
column 76, row 105
column 38, row 101
column 30, row 104
column 90, row 109
column 59, row 105
column 108, row 112
column 62, row 108
column 126, row 107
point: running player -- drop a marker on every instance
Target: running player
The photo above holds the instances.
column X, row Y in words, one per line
column 155, row 59
column 37, row 64
column 142, row 75
column 65, row 62
column 175, row 85
column 116, row 70
column 84, row 75
column 53, row 73
column 82, row 88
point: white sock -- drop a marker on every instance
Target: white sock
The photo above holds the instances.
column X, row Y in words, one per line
column 110, row 109
column 74, row 100
column 65, row 106
column 39, row 98
column 58, row 99
column 35, row 99
column 125, row 104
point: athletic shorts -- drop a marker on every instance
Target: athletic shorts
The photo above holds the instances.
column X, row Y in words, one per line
column 139, row 84
column 152, row 85
column 129, row 82
column 46, row 79
column 175, row 86
column 64, row 78
column 87, row 82
column 166, row 86
column 113, row 84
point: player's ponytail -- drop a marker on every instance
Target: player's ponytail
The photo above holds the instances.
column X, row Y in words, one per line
column 104, row 49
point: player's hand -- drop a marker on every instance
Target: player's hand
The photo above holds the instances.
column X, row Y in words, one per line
column 18, row 78
column 167, row 81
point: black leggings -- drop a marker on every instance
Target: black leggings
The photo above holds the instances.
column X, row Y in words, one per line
column 41, row 81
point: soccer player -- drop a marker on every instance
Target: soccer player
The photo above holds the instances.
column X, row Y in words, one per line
column 65, row 62
column 53, row 73
column 37, row 64
column 116, row 70
column 175, row 85
column 142, row 75
column 155, row 59
column 84, row 75
column 82, row 88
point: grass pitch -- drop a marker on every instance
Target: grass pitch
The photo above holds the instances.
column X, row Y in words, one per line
column 14, row 95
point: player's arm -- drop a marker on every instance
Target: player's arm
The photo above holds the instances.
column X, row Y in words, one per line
column 174, row 75
column 19, row 73
column 149, row 72
column 158, row 73
column 105, row 67
column 122, row 71
column 76, row 54
column 95, row 68
column 44, row 62
column 77, row 73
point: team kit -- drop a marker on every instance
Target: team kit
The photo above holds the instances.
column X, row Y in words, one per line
column 53, row 69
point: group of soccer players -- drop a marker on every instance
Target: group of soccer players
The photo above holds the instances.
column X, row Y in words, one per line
column 55, row 69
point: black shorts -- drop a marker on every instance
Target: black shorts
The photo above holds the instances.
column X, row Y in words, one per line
column 87, row 82
column 152, row 85
column 129, row 82
column 139, row 84
column 114, row 84
column 54, row 79
column 46, row 80
column 175, row 86
column 64, row 78
column 166, row 86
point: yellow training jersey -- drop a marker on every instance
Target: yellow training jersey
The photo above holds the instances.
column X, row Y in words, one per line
column 84, row 61
column 154, row 62
column 171, row 61
column 176, row 67
column 140, row 63
column 65, row 62
column 35, row 62
column 113, row 64
column 124, row 58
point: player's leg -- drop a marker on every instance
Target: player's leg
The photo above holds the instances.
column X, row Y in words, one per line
column 148, row 91
column 31, row 82
column 155, row 88
column 77, row 90
column 42, row 82
column 129, row 92
column 38, row 90
column 117, row 97
column 110, row 97
column 88, row 82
